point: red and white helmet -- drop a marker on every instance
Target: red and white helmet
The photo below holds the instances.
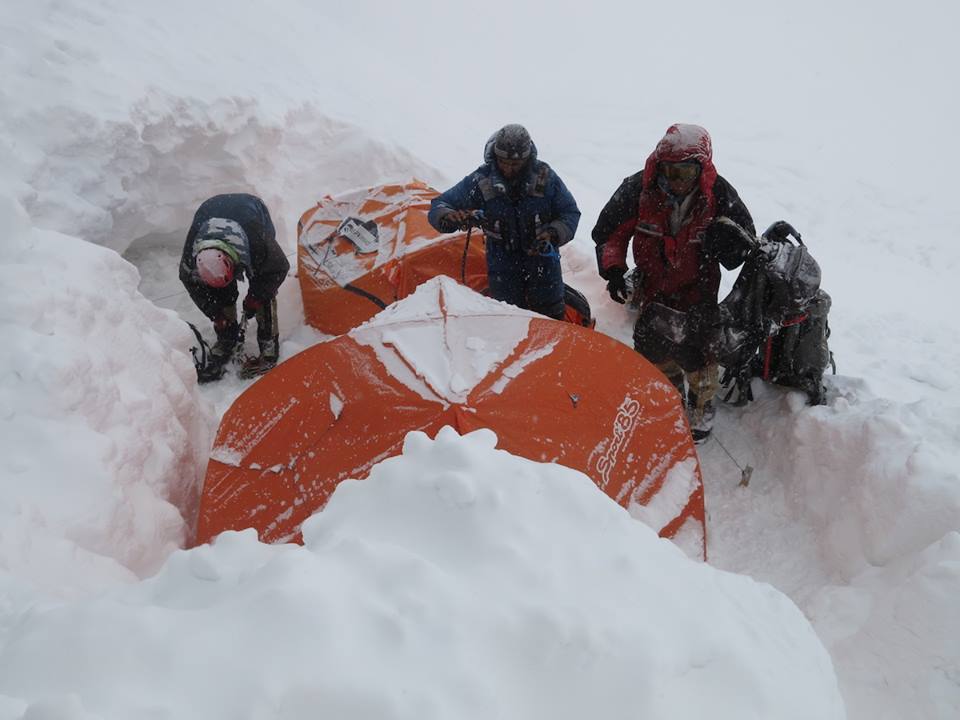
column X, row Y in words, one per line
column 214, row 267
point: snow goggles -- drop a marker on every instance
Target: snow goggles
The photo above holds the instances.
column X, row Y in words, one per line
column 680, row 171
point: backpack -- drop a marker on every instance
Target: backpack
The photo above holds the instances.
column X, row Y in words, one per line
column 577, row 308
column 773, row 324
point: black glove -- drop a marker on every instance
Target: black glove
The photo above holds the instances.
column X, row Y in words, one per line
column 616, row 285
column 446, row 226
column 454, row 220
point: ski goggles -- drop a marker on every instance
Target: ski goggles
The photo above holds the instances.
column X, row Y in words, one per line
column 680, row 171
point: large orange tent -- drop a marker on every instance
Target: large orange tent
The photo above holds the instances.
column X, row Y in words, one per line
column 552, row 392
column 363, row 250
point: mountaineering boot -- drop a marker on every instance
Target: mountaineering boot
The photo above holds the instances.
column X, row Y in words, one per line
column 700, row 410
column 227, row 328
column 257, row 366
column 213, row 370
column 223, row 349
column 269, row 354
column 701, row 420
column 225, row 346
column 268, row 339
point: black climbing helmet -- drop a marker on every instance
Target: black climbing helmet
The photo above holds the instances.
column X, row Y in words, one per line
column 512, row 142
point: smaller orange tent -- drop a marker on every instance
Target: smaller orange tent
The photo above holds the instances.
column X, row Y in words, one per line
column 361, row 251
column 552, row 391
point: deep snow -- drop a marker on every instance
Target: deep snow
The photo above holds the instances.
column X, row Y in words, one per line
column 118, row 119
column 457, row 581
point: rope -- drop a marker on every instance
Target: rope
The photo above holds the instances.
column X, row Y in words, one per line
column 167, row 297
column 745, row 472
column 463, row 260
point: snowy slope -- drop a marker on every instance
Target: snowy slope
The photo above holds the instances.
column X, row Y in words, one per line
column 118, row 119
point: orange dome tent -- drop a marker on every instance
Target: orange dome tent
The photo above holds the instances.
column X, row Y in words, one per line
column 366, row 249
column 552, row 392
column 361, row 251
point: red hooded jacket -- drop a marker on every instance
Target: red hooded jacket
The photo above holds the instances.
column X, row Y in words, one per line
column 678, row 269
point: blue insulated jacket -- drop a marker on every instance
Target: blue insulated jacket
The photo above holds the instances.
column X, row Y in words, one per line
column 515, row 213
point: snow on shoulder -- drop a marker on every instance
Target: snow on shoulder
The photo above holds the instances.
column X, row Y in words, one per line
column 457, row 581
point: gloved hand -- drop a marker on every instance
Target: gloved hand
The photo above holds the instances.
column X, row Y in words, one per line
column 545, row 241
column 455, row 220
column 251, row 304
column 616, row 285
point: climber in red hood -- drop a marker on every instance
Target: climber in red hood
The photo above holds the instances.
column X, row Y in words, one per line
column 684, row 221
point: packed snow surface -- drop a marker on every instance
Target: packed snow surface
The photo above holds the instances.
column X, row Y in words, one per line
column 457, row 581
column 118, row 119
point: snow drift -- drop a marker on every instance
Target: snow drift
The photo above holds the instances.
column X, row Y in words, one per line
column 104, row 434
column 456, row 581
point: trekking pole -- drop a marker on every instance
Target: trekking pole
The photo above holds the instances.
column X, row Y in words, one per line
column 745, row 472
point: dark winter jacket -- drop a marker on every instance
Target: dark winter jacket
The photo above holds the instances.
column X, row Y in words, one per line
column 516, row 212
column 240, row 225
column 682, row 269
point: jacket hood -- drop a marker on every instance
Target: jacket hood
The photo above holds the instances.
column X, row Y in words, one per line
column 683, row 143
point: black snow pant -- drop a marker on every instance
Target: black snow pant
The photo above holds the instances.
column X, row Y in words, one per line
column 219, row 304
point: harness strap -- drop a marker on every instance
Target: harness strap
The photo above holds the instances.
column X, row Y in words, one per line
column 485, row 185
column 767, row 354
column 201, row 353
column 539, row 185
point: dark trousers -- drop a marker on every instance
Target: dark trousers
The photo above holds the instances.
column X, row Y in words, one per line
column 219, row 304
column 533, row 282
column 210, row 300
column 268, row 332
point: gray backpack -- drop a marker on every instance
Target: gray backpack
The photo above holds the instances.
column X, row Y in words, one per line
column 774, row 321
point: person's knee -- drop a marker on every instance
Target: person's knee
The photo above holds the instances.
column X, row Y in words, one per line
column 705, row 382
column 224, row 317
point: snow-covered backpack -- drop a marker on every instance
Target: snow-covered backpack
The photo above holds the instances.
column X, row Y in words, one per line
column 774, row 321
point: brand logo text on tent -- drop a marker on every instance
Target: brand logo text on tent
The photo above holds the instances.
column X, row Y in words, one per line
column 623, row 425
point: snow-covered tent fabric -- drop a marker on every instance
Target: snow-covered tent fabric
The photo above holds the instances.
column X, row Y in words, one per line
column 360, row 251
column 447, row 356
